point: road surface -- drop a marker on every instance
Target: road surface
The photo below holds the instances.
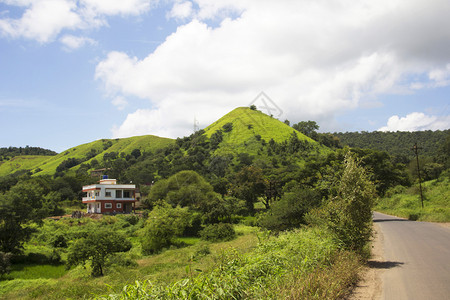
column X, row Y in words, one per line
column 416, row 259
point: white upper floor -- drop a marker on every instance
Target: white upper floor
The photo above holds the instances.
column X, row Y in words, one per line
column 108, row 189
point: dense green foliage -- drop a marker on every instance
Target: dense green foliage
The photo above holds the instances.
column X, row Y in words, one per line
column 272, row 270
column 405, row 201
column 201, row 192
column 96, row 247
column 7, row 153
column 218, row 232
column 398, row 144
column 289, row 212
column 349, row 214
column 163, row 225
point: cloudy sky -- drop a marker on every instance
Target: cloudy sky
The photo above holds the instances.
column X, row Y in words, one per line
column 75, row 71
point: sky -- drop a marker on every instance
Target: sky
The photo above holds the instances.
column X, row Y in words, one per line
column 72, row 72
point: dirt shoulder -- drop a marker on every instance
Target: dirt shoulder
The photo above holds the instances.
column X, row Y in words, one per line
column 370, row 286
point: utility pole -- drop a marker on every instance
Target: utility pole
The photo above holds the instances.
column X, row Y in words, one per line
column 415, row 149
column 195, row 124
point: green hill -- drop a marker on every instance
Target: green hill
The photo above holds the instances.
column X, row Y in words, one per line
column 85, row 153
column 249, row 127
column 22, row 162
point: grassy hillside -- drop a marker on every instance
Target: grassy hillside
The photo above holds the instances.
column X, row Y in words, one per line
column 405, row 202
column 248, row 128
column 46, row 165
column 24, row 162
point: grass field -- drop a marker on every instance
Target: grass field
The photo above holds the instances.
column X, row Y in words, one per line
column 405, row 202
column 303, row 264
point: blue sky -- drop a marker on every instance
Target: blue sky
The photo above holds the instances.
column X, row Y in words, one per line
column 75, row 71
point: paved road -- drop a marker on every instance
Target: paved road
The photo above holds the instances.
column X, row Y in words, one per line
column 416, row 259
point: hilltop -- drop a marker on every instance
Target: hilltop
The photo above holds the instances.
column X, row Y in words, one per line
column 244, row 130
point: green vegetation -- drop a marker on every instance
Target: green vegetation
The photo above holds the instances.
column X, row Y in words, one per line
column 90, row 154
column 397, row 144
column 21, row 164
column 405, row 201
column 247, row 208
column 7, row 153
column 243, row 129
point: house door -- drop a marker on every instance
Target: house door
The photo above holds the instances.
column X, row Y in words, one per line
column 98, row 208
column 127, row 208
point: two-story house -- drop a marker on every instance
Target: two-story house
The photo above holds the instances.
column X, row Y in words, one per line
column 109, row 197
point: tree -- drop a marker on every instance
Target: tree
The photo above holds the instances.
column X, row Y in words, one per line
column 188, row 189
column 22, row 204
column 96, row 247
column 308, row 128
column 249, row 185
column 349, row 214
column 5, row 263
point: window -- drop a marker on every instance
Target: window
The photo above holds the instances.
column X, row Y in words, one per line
column 97, row 193
column 108, row 205
column 126, row 194
column 107, row 194
column 118, row 205
column 119, row 194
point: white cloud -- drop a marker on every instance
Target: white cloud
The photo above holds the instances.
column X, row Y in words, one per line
column 44, row 20
column 181, row 10
column 120, row 102
column 118, row 7
column 417, row 121
column 71, row 42
column 314, row 59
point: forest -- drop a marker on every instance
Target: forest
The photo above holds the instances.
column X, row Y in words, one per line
column 249, row 207
column 9, row 152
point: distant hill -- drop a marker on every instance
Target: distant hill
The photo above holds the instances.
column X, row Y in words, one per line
column 85, row 153
column 242, row 129
column 398, row 143
column 9, row 152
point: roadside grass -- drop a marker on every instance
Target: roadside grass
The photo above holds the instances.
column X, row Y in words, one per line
column 302, row 264
column 406, row 203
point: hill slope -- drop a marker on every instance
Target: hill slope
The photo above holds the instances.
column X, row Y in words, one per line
column 398, row 143
column 85, row 153
column 247, row 128
column 22, row 162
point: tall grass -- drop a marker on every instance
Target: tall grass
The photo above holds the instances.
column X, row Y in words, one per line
column 303, row 263
column 22, row 271
column 406, row 203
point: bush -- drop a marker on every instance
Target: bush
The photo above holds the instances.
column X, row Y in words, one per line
column 289, row 212
column 218, row 232
column 164, row 223
column 349, row 214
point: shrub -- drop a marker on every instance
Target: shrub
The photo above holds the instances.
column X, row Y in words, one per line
column 349, row 214
column 164, row 223
column 218, row 232
column 289, row 212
